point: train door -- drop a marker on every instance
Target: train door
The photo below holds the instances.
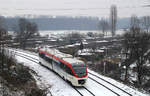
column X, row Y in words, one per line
column 56, row 66
column 69, row 73
column 49, row 62
column 63, row 72
column 41, row 58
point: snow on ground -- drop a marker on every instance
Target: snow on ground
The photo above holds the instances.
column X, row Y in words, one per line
column 97, row 89
column 89, row 51
column 103, row 41
column 62, row 88
column 135, row 92
column 62, row 33
column 23, row 52
column 59, row 86
column 57, row 34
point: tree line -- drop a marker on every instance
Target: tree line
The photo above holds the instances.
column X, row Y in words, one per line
column 136, row 49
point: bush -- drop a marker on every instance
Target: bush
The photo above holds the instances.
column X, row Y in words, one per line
column 18, row 78
column 36, row 92
column 147, row 86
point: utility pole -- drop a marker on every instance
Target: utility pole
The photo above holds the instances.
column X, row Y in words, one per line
column 104, row 67
column 105, row 61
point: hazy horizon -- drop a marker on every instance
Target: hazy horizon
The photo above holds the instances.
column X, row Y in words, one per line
column 98, row 8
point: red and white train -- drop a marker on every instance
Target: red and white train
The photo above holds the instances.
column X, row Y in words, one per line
column 69, row 68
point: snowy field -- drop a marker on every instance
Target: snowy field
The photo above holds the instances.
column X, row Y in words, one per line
column 99, row 8
column 62, row 88
column 56, row 33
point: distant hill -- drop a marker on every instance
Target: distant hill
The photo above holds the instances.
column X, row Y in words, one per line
column 65, row 23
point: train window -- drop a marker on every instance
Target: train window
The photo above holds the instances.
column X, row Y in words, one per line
column 57, row 63
column 62, row 65
column 45, row 58
column 48, row 59
column 68, row 70
column 42, row 55
column 79, row 69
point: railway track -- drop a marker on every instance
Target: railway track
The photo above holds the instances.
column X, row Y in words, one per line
column 27, row 55
column 28, row 52
column 82, row 90
column 108, row 83
column 104, row 86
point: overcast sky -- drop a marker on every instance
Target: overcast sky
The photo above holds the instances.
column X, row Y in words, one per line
column 100, row 8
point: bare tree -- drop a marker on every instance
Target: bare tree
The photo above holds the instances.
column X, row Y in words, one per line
column 136, row 44
column 81, row 47
column 146, row 22
column 128, row 52
column 26, row 30
column 3, row 37
column 74, row 37
column 103, row 25
column 140, row 50
column 113, row 19
column 90, row 34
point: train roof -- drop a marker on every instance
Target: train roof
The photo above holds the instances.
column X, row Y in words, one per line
column 73, row 61
column 56, row 53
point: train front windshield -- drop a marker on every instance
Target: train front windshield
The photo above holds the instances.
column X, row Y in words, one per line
column 79, row 69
